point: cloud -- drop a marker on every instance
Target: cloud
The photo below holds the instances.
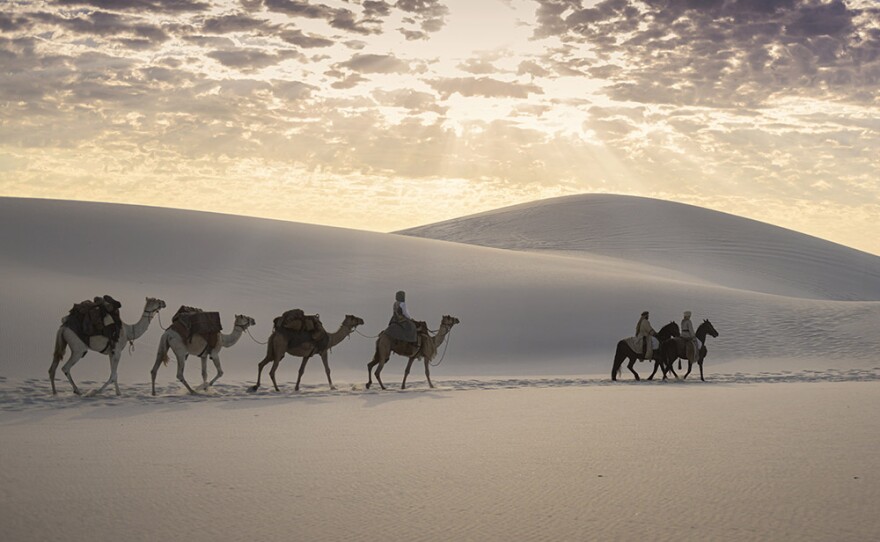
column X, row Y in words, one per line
column 740, row 52
column 483, row 86
column 374, row 63
column 306, row 41
column 157, row 6
column 428, row 15
column 250, row 59
column 414, row 101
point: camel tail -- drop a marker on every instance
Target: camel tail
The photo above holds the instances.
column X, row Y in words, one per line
column 162, row 354
column 60, row 346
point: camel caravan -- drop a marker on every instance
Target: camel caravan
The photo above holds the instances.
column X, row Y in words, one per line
column 96, row 325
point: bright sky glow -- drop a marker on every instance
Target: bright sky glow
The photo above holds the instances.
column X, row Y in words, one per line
column 381, row 115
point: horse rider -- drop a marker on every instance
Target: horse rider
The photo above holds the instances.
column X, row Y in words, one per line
column 690, row 337
column 644, row 332
column 400, row 317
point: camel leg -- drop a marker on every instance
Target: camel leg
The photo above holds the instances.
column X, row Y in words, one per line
column 153, row 372
column 75, row 356
column 630, row 365
column 272, row 373
column 406, row 372
column 114, row 364
column 379, row 374
column 60, row 347
column 326, row 361
column 181, row 365
column 302, row 369
column 370, row 366
column 262, row 364
column 428, row 373
column 204, row 360
column 216, row 359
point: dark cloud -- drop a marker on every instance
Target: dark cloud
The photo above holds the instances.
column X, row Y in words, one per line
column 158, row 6
column 306, row 41
column 370, row 63
column 483, row 86
column 430, row 15
column 478, row 66
column 721, row 52
column 250, row 59
column 11, row 23
column 102, row 23
column 340, row 18
column 232, row 23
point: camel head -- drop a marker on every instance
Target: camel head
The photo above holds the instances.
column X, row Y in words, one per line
column 153, row 305
column 352, row 321
column 449, row 321
column 244, row 322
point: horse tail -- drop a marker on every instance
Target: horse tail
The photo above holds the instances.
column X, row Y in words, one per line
column 60, row 346
column 618, row 360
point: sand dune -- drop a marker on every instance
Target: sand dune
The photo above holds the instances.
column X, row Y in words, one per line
column 700, row 244
column 522, row 312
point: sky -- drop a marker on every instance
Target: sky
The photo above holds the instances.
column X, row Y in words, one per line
column 382, row 115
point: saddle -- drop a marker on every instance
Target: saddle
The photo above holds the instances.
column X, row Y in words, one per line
column 300, row 327
column 95, row 317
column 190, row 322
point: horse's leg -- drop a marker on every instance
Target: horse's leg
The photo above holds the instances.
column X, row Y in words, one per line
column 406, row 372
column 690, row 364
column 302, row 369
column 656, row 366
column 631, row 365
column 701, row 369
column 215, row 357
column 324, row 358
column 428, row 373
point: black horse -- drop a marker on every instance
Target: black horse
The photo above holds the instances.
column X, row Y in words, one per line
column 625, row 352
column 675, row 349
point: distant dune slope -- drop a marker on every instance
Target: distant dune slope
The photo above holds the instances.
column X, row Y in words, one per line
column 705, row 245
column 522, row 313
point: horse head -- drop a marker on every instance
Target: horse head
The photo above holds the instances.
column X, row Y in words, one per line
column 669, row 330
column 708, row 328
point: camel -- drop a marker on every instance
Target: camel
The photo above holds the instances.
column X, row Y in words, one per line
column 129, row 333
column 625, row 352
column 385, row 345
column 673, row 349
column 279, row 344
column 197, row 346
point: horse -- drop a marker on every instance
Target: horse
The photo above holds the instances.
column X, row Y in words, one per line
column 625, row 352
column 675, row 349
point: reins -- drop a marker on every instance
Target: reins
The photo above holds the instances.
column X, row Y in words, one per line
column 445, row 346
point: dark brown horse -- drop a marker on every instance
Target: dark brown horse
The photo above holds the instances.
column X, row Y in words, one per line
column 675, row 349
column 625, row 352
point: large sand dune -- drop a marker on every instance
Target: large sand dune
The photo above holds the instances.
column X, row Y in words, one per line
column 523, row 312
